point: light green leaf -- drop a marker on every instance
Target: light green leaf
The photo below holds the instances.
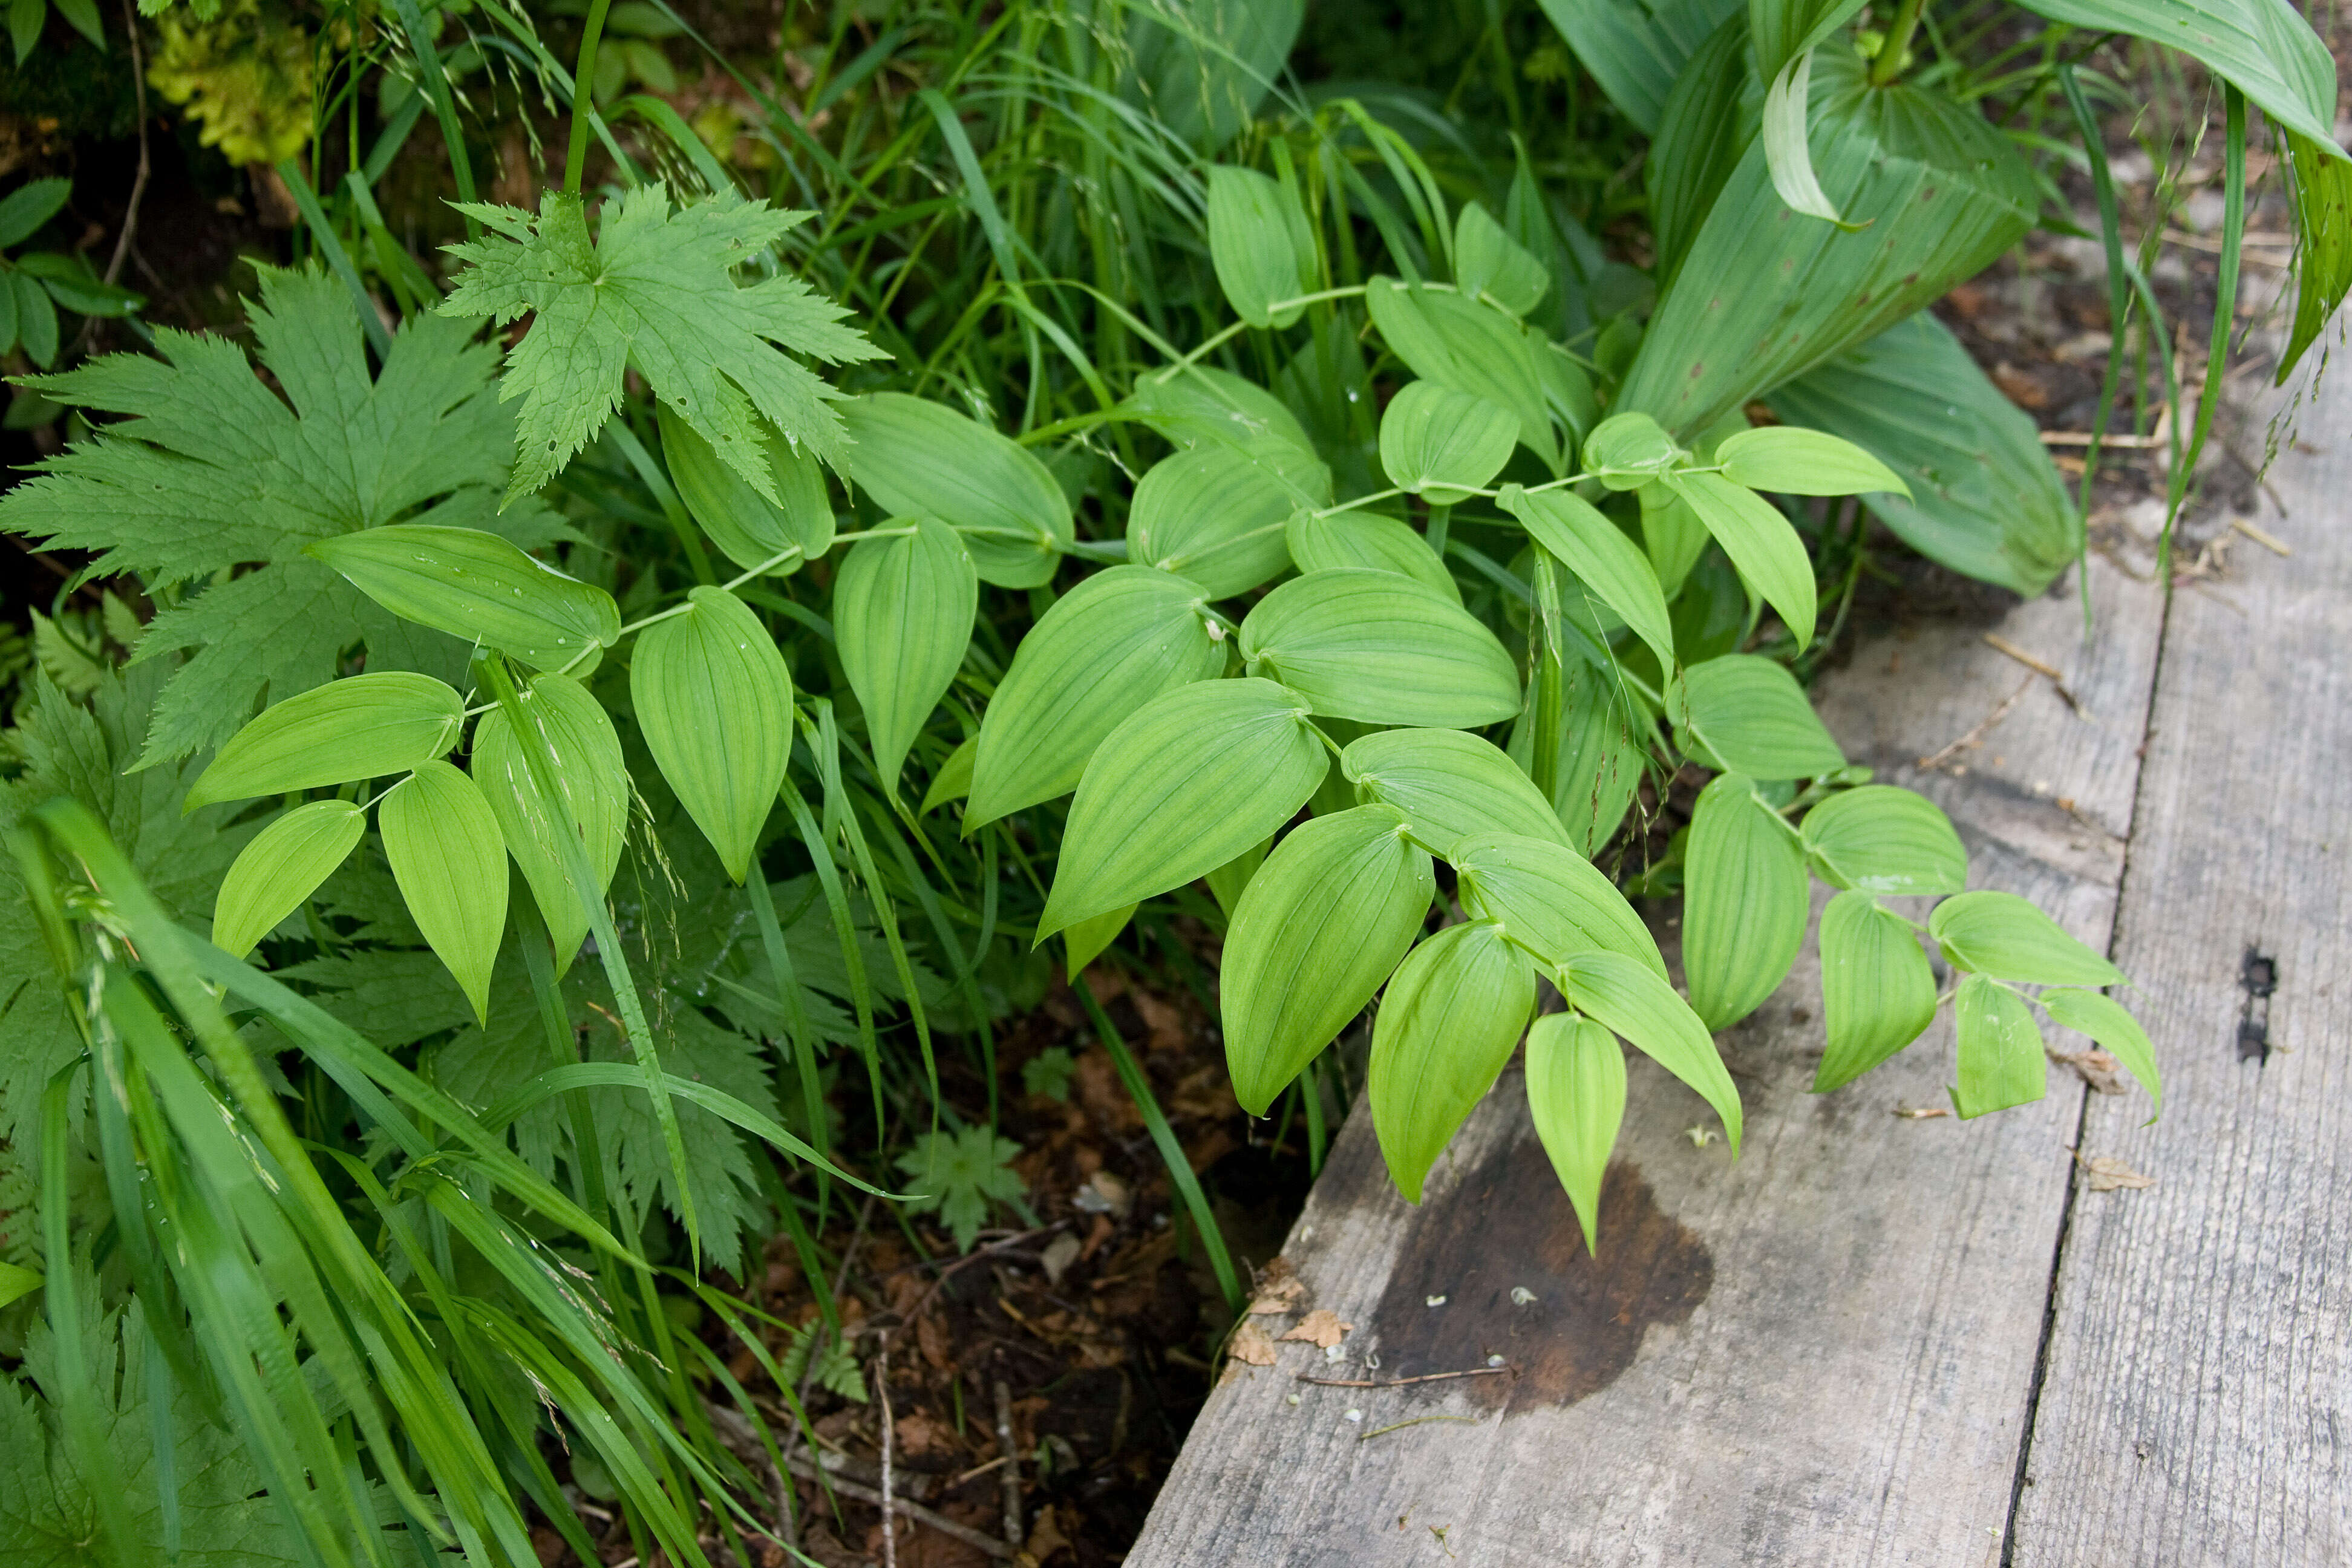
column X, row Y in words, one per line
column 1671, row 535
column 283, row 866
column 1630, row 451
column 2320, row 185
column 1204, row 405
column 1382, row 649
column 1760, row 541
column 1882, row 839
column 362, row 727
column 2117, row 1032
column 1600, row 762
column 1744, row 902
column 1750, row 714
column 1611, row 566
column 1186, row 783
column 1469, row 347
column 920, row 458
column 1786, row 156
column 2263, row 47
column 1623, row 994
column 1319, row 926
column 1367, row 539
column 1103, row 650
column 902, row 611
column 1083, row 943
column 1877, row 991
column 1441, row 445
column 1636, row 48
column 1487, row 261
column 747, row 526
column 1449, row 785
column 1985, row 499
column 1261, row 245
column 2003, row 936
column 450, row 862
column 1442, row 1033
column 2000, row 1049
column 16, row 1282
column 1549, row 899
column 1790, row 461
column 1576, row 1096
column 478, row 586
column 1229, row 881
column 715, row 705
column 595, row 788
column 1215, row 513
column 953, row 781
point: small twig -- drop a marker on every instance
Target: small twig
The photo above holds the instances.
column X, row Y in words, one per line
column 1402, row 1382
column 1009, row 1244
column 1920, row 1113
column 979, row 1470
column 138, row 181
column 2002, row 645
column 914, row 1510
column 882, row 1394
column 1929, row 764
column 2260, row 537
column 1013, row 1534
column 1401, row 1426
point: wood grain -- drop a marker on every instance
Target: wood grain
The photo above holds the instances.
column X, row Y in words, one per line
column 1818, row 1354
column 2199, row 1394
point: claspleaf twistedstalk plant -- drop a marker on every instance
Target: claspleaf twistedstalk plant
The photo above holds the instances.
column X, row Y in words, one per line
column 1380, row 526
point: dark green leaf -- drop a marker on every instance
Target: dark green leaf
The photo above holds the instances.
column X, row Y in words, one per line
column 1442, row 1033
column 2003, row 936
column 362, row 727
column 1600, row 762
column 1744, row 902
column 921, row 458
column 24, row 209
column 902, row 612
column 2000, row 1049
column 1576, row 1096
column 1708, row 120
column 1881, row 839
column 1380, row 647
column 1877, row 991
column 1636, row 49
column 2321, row 185
column 476, row 585
column 715, row 705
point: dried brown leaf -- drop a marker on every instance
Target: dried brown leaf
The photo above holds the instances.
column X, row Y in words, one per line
column 1320, row 1327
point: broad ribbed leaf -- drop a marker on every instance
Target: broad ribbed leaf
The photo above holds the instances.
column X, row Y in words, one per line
column 1320, row 925
column 1442, row 1033
column 1611, row 566
column 1881, row 839
column 1762, row 298
column 1877, row 991
column 1792, row 461
column 2004, row 936
column 2321, row 187
column 1549, row 899
column 715, row 705
column 283, row 866
column 2116, row 1031
column 1984, row 497
column 953, row 781
column 1440, row 445
column 1744, row 902
column 1382, row 649
column 1366, row 539
column 1623, row 994
column 595, row 784
column 1750, row 715
column 450, row 863
column 362, row 727
column 1083, row 943
column 1760, row 543
column 478, row 586
column 747, row 526
column 1185, row 785
column 1215, row 513
column 1576, row 1096
column 2000, row 1049
column 902, row 614
column 1487, row 261
column 920, row 458
column 1636, row 49
column 1105, row 650
column 1261, row 246
column 1600, row 762
column 1783, row 29
column 1469, row 347
column 1203, row 403
column 1630, row 451
column 2263, row 47
column 1708, row 120
column 1449, row 785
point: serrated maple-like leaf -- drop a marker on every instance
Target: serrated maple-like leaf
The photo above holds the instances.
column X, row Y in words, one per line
column 655, row 287
column 211, row 469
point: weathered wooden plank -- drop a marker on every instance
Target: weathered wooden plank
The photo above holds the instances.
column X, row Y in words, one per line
column 2199, row 1393
column 1819, row 1353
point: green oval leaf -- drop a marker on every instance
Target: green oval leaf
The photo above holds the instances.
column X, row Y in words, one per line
column 1200, row 403
column 1877, row 991
column 715, row 705
column 1261, row 245
column 2116, row 1031
column 2000, row 1055
column 1882, row 839
column 1188, row 782
column 2004, row 936
column 1760, row 541
column 1751, row 717
column 283, row 866
column 1488, row 261
column 1320, row 925
column 1623, row 994
column 595, row 788
column 1469, row 347
column 1442, row 1033
column 476, row 586
column 1382, row 649
column 1215, row 513
column 1790, row 461
column 1745, row 899
column 450, row 863
column 1449, row 785
column 1630, row 451
column 1367, row 540
column 1576, row 1096
column 1550, row 899
column 1441, row 445
column 1611, row 566
column 362, row 727
column 747, row 526
column 953, row 781
column 1103, row 650
column 920, row 458
column 902, row 614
